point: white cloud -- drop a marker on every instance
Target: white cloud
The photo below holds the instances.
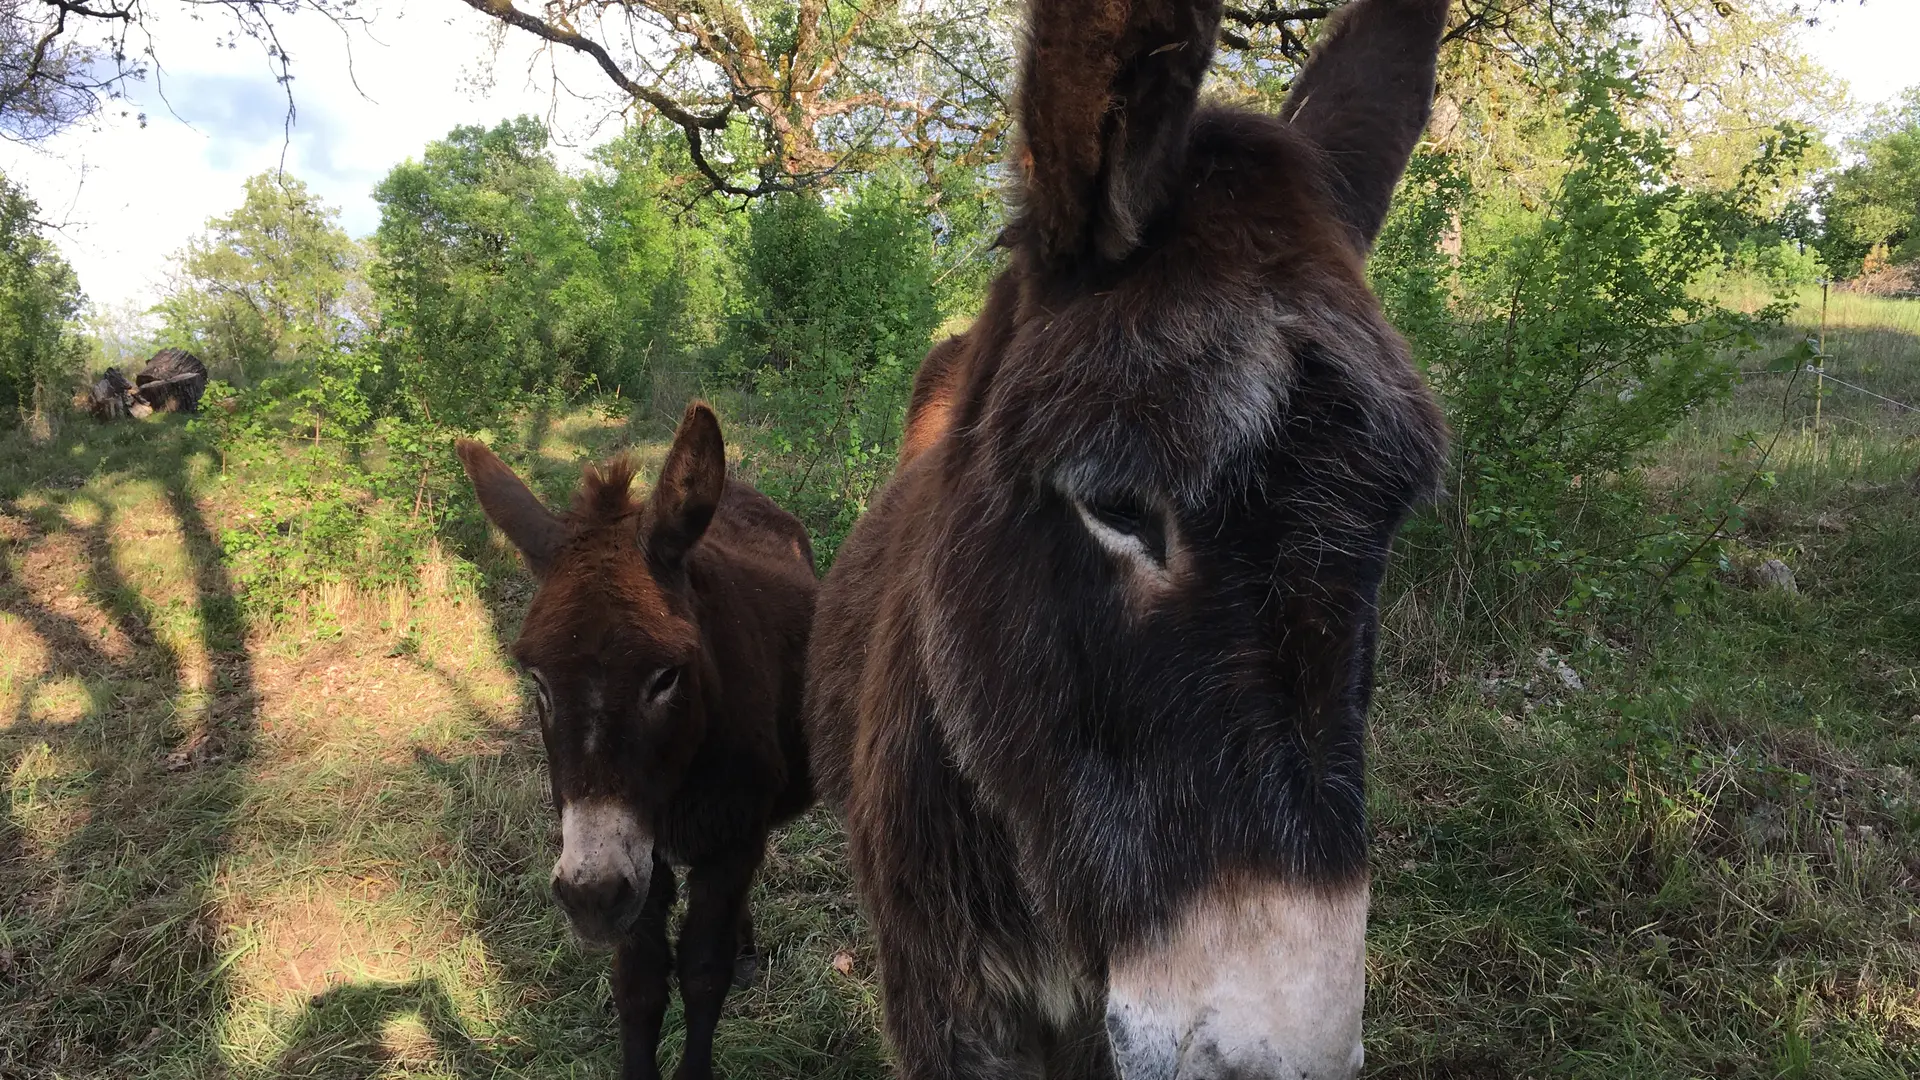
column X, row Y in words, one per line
column 364, row 102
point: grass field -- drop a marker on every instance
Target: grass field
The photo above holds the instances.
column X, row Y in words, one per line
column 319, row 847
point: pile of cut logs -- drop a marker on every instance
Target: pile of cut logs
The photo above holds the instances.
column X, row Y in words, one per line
column 171, row 382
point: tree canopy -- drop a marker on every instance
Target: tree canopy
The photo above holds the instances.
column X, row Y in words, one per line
column 273, row 281
column 1873, row 204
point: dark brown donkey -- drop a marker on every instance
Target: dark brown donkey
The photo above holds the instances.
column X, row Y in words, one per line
column 666, row 642
column 1090, row 680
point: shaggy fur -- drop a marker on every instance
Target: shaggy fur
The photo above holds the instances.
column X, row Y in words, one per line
column 1103, row 646
column 705, row 587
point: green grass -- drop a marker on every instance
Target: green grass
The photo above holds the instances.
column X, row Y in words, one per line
column 318, row 846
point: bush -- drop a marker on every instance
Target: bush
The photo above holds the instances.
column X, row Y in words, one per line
column 1780, row 265
column 1565, row 344
column 365, row 511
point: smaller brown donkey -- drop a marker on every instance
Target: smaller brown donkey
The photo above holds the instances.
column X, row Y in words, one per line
column 667, row 641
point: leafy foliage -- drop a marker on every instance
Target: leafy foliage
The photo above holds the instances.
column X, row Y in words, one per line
column 1874, row 204
column 502, row 279
column 485, row 279
column 268, row 285
column 841, row 304
column 1566, row 344
column 366, row 513
column 40, row 354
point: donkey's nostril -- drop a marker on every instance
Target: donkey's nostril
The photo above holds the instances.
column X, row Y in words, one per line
column 606, row 900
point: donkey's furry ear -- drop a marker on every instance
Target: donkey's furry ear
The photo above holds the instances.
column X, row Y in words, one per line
column 1107, row 88
column 1364, row 98
column 529, row 525
column 691, row 482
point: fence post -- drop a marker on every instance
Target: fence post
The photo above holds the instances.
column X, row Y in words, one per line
column 1819, row 380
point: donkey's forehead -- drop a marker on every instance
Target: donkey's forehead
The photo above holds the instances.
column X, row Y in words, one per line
column 607, row 611
column 1113, row 392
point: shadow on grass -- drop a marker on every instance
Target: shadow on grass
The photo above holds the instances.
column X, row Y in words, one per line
column 123, row 774
column 107, row 860
column 364, row 1030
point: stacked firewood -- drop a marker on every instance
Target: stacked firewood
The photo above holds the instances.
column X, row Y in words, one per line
column 171, row 382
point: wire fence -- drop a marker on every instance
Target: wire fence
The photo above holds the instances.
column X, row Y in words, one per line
column 1827, row 375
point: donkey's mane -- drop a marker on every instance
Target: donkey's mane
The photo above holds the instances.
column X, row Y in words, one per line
column 604, row 495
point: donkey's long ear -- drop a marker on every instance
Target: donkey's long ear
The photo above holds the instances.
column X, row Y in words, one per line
column 683, row 502
column 1107, row 88
column 1364, row 98
column 531, row 527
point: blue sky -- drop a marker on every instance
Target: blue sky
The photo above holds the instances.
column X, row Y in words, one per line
column 130, row 195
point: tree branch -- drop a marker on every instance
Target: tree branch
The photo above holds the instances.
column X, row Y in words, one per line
column 504, row 11
column 1271, row 16
column 73, row 7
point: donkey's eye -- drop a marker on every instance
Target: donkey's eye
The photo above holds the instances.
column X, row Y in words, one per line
column 1126, row 524
column 1124, row 515
column 662, row 684
column 542, row 697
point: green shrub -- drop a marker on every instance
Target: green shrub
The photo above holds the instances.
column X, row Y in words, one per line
column 840, row 308
column 1566, row 344
column 364, row 510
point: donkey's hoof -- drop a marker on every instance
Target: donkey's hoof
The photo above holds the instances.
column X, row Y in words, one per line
column 745, row 967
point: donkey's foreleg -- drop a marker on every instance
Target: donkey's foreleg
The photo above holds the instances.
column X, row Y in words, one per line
column 640, row 967
column 942, row 1026
column 709, row 944
column 746, row 959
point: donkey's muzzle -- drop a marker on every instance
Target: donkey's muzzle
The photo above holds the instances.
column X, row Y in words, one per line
column 600, row 910
column 604, row 871
column 1252, row 982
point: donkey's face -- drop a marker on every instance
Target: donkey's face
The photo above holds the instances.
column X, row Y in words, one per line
column 1169, row 531
column 613, row 647
column 1186, row 439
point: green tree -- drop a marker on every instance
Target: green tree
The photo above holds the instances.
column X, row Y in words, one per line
column 1874, row 203
column 268, row 285
column 668, row 261
column 501, row 278
column 41, row 354
column 489, row 290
